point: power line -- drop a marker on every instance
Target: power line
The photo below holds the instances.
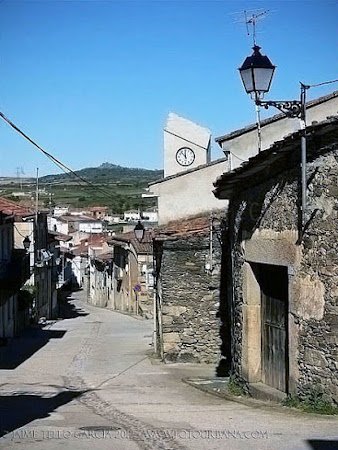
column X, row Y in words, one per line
column 67, row 170
column 323, row 83
column 241, row 159
column 26, row 235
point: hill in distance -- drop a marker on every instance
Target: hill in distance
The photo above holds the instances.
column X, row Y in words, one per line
column 119, row 188
column 107, row 173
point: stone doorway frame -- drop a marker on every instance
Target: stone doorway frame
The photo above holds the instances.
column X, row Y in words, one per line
column 273, row 248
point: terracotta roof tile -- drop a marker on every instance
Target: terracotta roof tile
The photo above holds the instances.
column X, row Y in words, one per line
column 12, row 208
column 145, row 246
column 108, row 256
column 185, row 227
column 94, row 240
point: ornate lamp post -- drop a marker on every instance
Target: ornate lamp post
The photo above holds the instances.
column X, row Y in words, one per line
column 256, row 73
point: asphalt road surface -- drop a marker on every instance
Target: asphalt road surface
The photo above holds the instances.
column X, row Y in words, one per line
column 88, row 382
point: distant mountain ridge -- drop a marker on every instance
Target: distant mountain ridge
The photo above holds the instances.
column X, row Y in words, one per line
column 119, row 188
column 108, row 172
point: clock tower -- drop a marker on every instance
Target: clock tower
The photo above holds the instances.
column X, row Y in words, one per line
column 186, row 145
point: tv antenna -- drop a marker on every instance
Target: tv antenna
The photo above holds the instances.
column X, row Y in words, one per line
column 251, row 21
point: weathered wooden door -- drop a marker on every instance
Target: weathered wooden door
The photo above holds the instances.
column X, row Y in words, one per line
column 274, row 296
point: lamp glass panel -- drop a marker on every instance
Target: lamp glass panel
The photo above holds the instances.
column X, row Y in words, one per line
column 247, row 80
column 139, row 234
column 262, row 79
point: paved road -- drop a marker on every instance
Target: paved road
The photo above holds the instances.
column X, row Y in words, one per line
column 87, row 382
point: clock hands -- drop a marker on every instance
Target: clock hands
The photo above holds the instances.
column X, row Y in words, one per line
column 185, row 156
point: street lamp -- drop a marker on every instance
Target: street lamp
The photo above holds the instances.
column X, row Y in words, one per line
column 26, row 243
column 139, row 231
column 256, row 73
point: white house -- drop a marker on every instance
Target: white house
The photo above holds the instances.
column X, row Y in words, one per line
column 90, row 225
column 150, row 216
column 111, row 219
column 131, row 215
column 186, row 189
column 68, row 224
column 60, row 211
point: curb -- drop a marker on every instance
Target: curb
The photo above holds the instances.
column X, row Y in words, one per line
column 203, row 385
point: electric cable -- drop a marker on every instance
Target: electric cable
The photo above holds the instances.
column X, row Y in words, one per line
column 57, row 162
column 244, row 160
column 323, row 83
column 27, row 235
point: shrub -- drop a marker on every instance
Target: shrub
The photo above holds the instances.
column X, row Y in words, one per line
column 315, row 401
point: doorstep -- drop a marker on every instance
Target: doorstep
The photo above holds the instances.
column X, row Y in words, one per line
column 264, row 392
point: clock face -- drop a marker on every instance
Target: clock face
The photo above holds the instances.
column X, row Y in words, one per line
column 185, row 156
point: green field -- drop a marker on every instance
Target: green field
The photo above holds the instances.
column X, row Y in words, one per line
column 116, row 187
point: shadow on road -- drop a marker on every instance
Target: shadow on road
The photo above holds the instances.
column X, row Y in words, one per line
column 67, row 310
column 321, row 444
column 23, row 347
column 18, row 410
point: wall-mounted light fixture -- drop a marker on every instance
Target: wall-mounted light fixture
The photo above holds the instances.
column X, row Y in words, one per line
column 256, row 73
column 26, row 243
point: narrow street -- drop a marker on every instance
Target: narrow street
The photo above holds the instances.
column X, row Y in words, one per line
column 88, row 382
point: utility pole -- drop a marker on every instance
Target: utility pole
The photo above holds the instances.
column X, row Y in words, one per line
column 37, row 196
column 37, row 248
column 50, row 203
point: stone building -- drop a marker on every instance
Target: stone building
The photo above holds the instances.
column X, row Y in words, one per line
column 42, row 260
column 14, row 272
column 184, row 193
column 121, row 274
column 187, row 291
column 282, row 295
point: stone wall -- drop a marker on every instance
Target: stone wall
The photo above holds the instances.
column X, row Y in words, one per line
column 264, row 224
column 190, row 300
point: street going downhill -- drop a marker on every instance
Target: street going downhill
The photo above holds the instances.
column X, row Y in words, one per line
column 89, row 381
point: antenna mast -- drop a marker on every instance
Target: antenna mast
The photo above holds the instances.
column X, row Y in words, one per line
column 252, row 21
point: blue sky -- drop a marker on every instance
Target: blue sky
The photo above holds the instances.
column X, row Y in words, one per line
column 94, row 81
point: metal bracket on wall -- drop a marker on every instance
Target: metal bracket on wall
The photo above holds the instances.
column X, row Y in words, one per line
column 291, row 108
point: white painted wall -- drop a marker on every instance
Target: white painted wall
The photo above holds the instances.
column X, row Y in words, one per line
column 189, row 193
column 244, row 146
column 25, row 229
column 54, row 224
column 131, row 215
column 60, row 210
column 112, row 219
column 178, row 133
column 91, row 227
column 152, row 216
